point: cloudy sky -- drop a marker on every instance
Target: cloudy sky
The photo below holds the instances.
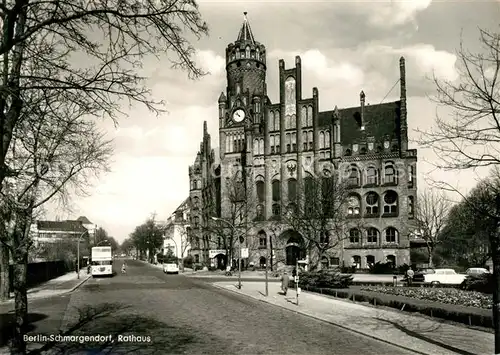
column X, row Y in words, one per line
column 345, row 46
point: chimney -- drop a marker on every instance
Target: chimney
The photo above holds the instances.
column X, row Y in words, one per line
column 362, row 99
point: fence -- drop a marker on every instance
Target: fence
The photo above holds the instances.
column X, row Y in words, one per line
column 38, row 273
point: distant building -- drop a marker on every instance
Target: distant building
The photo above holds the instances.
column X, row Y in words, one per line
column 177, row 229
column 47, row 232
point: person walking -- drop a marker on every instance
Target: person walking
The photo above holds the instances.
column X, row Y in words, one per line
column 409, row 276
column 124, row 268
column 285, row 281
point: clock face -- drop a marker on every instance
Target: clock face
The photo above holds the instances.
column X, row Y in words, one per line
column 239, row 115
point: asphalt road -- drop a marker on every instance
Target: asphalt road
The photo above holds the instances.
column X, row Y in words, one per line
column 148, row 312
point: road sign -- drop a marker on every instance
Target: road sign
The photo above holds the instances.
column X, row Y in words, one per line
column 296, row 279
column 244, row 252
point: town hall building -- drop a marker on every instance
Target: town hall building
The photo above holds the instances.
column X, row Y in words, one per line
column 267, row 149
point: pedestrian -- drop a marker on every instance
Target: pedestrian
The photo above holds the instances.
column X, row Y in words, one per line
column 409, row 276
column 124, row 268
column 285, row 281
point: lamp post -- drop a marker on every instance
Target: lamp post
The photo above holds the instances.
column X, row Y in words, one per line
column 104, row 240
column 239, row 246
column 78, row 252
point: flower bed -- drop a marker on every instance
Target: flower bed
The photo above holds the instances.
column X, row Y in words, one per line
column 442, row 295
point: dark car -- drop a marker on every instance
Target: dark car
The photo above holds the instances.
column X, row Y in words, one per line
column 419, row 274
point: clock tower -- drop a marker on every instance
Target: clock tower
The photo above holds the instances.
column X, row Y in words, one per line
column 241, row 109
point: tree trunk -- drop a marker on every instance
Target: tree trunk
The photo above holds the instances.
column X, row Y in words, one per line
column 430, row 252
column 20, row 257
column 4, row 272
column 495, row 249
column 21, row 304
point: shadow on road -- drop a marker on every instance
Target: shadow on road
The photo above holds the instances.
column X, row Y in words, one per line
column 150, row 336
column 7, row 321
column 420, row 334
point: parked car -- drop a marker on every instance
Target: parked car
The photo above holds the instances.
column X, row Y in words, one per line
column 170, row 268
column 474, row 271
column 439, row 276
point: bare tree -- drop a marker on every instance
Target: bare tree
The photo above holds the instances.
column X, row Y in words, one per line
column 431, row 214
column 240, row 211
column 318, row 213
column 470, row 137
column 55, row 152
column 91, row 51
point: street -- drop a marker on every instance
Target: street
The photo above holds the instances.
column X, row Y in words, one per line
column 173, row 314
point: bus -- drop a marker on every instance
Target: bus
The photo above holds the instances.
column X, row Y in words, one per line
column 102, row 261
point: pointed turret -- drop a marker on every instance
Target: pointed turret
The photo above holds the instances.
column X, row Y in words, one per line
column 222, row 97
column 245, row 34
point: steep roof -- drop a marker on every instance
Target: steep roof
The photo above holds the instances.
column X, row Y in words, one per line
column 379, row 121
column 245, row 34
column 61, row 226
column 84, row 220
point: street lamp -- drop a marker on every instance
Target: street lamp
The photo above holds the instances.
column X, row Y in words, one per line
column 239, row 246
column 78, row 252
column 104, row 240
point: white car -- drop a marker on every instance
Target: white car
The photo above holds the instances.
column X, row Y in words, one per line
column 170, row 268
column 444, row 277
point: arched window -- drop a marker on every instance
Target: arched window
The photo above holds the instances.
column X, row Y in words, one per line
column 372, row 202
column 354, row 236
column 195, row 184
column 353, row 205
column 390, row 202
column 257, row 53
column 304, row 141
column 262, row 239
column 347, row 152
column 272, row 144
column 196, row 221
column 327, row 139
column 303, row 116
column 256, row 146
column 354, row 177
column 356, row 261
column 321, row 140
column 310, row 138
column 371, row 176
column 277, row 121
column 391, row 235
column 276, row 187
column 362, row 151
column 372, row 235
column 271, row 121
column 411, row 206
column 196, row 202
column 288, row 142
column 247, row 52
column 294, row 142
column 238, row 54
column 293, row 121
column 288, row 122
column 261, row 146
column 370, row 260
column 292, row 190
column 390, row 175
column 261, row 191
column 309, row 116
column 276, row 209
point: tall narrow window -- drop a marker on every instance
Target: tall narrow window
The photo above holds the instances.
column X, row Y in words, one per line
column 294, row 142
column 261, row 194
column 303, row 116
column 310, row 138
column 292, row 190
column 304, row 141
column 327, row 139
column 273, row 144
column 247, row 52
column 277, row 121
column 288, row 143
column 276, row 187
column 309, row 116
column 321, row 140
column 271, row 121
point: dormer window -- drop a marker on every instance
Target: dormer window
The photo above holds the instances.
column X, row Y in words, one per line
column 348, row 152
column 362, row 151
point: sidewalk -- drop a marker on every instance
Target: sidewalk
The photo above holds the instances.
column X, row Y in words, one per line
column 421, row 334
column 360, row 278
column 58, row 286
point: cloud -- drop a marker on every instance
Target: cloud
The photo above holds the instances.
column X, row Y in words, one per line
column 211, row 62
column 395, row 13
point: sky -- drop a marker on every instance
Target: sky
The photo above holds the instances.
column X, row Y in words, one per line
column 345, row 47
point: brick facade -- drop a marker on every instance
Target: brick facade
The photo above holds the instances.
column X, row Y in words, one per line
column 292, row 139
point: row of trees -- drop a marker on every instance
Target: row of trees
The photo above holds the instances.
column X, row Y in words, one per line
column 66, row 65
column 146, row 239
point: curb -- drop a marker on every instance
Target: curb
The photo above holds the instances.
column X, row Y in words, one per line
column 12, row 300
column 323, row 320
column 79, row 284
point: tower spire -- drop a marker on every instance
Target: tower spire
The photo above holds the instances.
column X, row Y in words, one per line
column 245, row 34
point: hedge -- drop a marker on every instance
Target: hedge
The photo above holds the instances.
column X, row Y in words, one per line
column 466, row 315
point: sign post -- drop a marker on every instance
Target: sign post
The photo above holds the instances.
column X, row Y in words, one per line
column 297, row 281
